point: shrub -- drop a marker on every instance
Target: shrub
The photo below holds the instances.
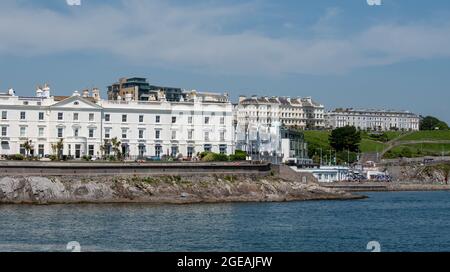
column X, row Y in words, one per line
column 16, row 157
column 87, row 157
column 406, row 152
column 53, row 157
column 210, row 157
column 111, row 158
column 238, row 155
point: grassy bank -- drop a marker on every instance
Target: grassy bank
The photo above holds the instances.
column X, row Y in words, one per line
column 418, row 150
column 371, row 143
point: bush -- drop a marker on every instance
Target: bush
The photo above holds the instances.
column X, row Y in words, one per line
column 53, row 157
column 406, row 153
column 87, row 157
column 238, row 155
column 16, row 157
column 383, row 137
column 111, row 158
column 210, row 157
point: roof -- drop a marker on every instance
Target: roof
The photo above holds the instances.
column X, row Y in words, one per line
column 305, row 102
column 63, row 97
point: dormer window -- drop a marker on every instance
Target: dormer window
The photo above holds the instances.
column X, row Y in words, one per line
column 76, row 103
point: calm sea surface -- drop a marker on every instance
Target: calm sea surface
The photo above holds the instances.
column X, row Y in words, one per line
column 403, row 221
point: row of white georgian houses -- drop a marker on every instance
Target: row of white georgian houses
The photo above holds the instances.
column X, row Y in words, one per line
column 203, row 122
column 374, row 120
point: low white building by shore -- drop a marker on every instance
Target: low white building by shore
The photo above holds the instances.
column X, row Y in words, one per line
column 201, row 122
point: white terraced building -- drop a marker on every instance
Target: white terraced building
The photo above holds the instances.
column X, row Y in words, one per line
column 303, row 113
column 374, row 120
column 200, row 122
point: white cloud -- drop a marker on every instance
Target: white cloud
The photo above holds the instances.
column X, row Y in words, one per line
column 73, row 2
column 197, row 38
column 374, row 2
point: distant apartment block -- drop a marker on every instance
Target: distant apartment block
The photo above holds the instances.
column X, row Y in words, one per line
column 373, row 120
column 138, row 89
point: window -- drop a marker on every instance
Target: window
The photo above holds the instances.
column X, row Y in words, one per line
column 141, row 150
column 91, row 133
column 75, row 116
column 222, row 136
column 60, row 132
column 158, row 150
column 222, row 120
column 206, row 135
column 4, row 131
column 223, row 149
column 22, row 115
column 91, row 150
column 141, row 134
column 190, row 120
column 41, row 150
column 206, row 120
column 23, row 131
column 157, row 134
column 107, row 133
column 4, row 115
column 124, row 133
column 60, row 116
column 75, row 132
column 190, row 133
column 107, row 117
column 91, row 117
column 141, row 118
column 190, row 151
column 207, row 148
column 22, row 150
column 174, row 119
column 41, row 116
column 174, row 134
column 124, row 118
column 41, row 132
column 158, row 119
column 174, row 151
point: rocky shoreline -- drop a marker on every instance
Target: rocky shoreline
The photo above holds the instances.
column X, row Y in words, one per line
column 388, row 186
column 162, row 189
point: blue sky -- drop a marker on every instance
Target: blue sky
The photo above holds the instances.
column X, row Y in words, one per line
column 343, row 53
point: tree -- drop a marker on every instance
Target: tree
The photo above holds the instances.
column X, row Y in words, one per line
column 28, row 146
column 345, row 138
column 58, row 148
column 104, row 148
column 116, row 144
column 432, row 123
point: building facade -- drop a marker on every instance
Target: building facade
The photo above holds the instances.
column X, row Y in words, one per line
column 373, row 120
column 86, row 124
column 302, row 113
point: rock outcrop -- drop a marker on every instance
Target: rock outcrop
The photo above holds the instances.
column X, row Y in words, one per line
column 161, row 189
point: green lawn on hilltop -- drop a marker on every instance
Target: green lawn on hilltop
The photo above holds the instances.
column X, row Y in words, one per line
column 394, row 134
column 427, row 135
column 418, row 150
column 319, row 139
column 371, row 146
